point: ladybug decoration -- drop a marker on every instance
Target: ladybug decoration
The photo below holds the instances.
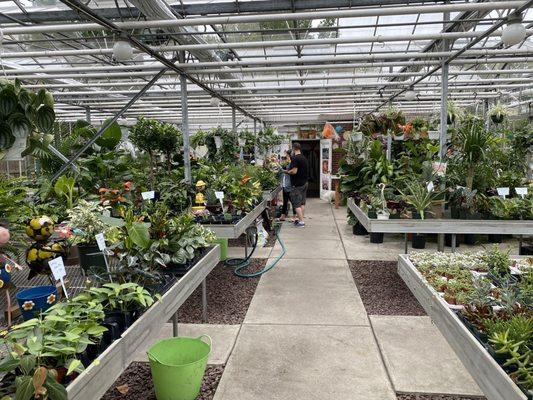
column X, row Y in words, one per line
column 40, row 229
column 38, row 255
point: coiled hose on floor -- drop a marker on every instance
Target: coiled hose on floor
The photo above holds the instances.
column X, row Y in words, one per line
column 242, row 263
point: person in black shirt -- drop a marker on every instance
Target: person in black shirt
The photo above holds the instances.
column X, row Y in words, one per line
column 299, row 173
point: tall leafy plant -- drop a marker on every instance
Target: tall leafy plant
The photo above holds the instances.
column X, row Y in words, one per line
column 24, row 114
column 473, row 142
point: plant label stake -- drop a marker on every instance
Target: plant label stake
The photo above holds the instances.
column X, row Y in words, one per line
column 503, row 191
column 58, row 270
column 430, row 187
column 148, row 195
column 521, row 191
column 100, row 240
column 220, row 197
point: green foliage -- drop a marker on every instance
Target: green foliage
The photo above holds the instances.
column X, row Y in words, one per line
column 419, row 197
column 498, row 261
column 64, row 188
column 24, row 114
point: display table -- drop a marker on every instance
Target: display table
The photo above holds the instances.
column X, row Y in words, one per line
column 441, row 226
column 269, row 196
column 490, row 377
column 234, row 231
column 98, row 377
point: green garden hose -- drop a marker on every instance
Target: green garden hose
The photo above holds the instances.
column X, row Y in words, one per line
column 241, row 263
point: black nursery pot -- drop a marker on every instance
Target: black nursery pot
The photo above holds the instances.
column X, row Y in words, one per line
column 359, row 229
column 448, row 240
column 469, row 239
column 495, row 238
column 419, row 241
column 376, row 237
column 497, row 118
column 90, row 257
column 526, row 250
column 124, row 319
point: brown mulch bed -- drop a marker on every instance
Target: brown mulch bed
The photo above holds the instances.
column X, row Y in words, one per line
column 382, row 290
column 136, row 383
column 413, row 396
column 228, row 296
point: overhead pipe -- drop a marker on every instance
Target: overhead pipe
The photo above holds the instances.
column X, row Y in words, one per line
column 199, row 66
column 247, row 71
column 271, row 79
column 239, row 19
column 259, row 44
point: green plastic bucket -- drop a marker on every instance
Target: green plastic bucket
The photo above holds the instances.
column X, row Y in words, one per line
column 223, row 242
column 178, row 366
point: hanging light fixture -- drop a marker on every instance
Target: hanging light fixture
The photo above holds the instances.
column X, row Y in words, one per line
column 514, row 32
column 122, row 51
column 410, row 95
column 215, row 101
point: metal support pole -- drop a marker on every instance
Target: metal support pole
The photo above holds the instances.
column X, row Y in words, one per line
column 233, row 120
column 486, row 113
column 256, row 149
column 389, row 147
column 454, row 242
column 175, row 324
column 185, row 122
column 204, row 301
column 440, row 242
column 405, row 243
column 444, row 96
column 88, row 114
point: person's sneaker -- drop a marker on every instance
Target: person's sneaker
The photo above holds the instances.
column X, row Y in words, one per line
column 299, row 224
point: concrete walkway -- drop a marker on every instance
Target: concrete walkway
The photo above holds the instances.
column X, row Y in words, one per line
column 307, row 335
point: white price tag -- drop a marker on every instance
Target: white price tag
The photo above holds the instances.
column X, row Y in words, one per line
column 148, row 195
column 106, row 213
column 503, row 191
column 521, row 191
column 430, row 186
column 100, row 240
column 58, row 268
column 220, row 197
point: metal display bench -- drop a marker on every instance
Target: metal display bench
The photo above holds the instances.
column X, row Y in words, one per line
column 99, row 376
column 441, row 226
column 234, row 231
column 490, row 377
column 269, row 196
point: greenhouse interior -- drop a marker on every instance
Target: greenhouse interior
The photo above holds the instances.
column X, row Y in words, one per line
column 266, row 199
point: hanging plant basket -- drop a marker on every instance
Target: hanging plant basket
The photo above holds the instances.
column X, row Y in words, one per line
column 450, row 118
column 497, row 118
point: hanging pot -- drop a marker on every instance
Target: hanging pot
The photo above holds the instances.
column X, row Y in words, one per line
column 36, row 300
column 450, row 118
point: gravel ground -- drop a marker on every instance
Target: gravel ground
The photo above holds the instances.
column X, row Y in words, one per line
column 407, row 396
column 228, row 296
column 382, row 290
column 136, row 383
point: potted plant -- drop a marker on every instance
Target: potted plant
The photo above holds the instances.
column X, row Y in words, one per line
column 36, row 300
column 453, row 112
column 417, row 195
column 123, row 303
column 85, row 220
column 498, row 113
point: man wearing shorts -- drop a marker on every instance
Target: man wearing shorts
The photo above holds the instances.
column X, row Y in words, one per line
column 299, row 173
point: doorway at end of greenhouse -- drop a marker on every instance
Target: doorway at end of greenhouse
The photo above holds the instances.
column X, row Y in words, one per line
column 311, row 151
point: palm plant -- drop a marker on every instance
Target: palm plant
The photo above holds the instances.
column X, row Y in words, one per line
column 474, row 143
column 419, row 197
